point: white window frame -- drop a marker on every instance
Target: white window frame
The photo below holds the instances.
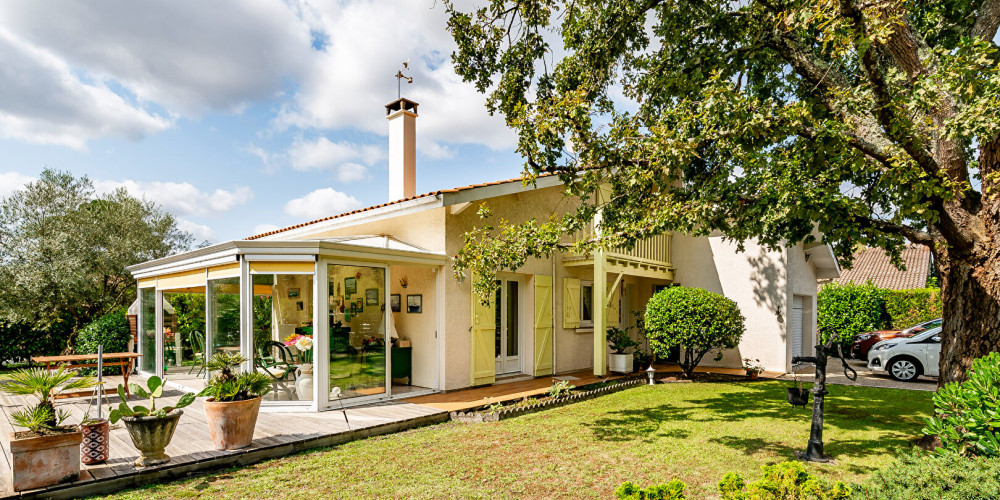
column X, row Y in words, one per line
column 586, row 323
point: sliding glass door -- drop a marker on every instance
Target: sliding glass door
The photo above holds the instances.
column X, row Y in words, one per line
column 357, row 348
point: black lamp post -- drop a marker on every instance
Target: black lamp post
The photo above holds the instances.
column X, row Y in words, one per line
column 814, row 450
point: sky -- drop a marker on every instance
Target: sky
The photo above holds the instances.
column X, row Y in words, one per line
column 238, row 117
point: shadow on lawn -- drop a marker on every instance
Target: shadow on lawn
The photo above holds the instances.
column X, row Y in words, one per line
column 642, row 424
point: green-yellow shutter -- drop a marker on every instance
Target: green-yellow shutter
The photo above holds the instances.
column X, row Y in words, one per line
column 571, row 303
column 543, row 325
column 483, row 341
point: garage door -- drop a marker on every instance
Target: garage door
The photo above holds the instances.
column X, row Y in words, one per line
column 796, row 327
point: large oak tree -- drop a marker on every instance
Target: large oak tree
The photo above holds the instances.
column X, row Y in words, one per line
column 875, row 122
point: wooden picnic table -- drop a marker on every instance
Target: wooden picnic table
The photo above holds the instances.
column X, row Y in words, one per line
column 126, row 360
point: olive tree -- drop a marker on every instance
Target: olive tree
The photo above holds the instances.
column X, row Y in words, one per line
column 697, row 320
column 871, row 121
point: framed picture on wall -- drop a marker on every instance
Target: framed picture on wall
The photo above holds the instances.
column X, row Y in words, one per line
column 361, row 305
column 394, row 302
column 293, row 293
column 350, row 286
column 371, row 297
column 415, row 303
column 299, row 306
column 354, row 308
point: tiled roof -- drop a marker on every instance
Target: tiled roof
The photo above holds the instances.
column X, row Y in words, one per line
column 873, row 264
column 373, row 207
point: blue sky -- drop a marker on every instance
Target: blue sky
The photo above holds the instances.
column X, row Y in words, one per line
column 237, row 117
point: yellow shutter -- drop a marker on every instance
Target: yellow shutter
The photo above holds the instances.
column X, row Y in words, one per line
column 187, row 279
column 571, row 303
column 543, row 325
column 267, row 267
column 483, row 341
column 612, row 316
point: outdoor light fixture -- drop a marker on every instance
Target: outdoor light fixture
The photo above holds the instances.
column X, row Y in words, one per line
column 402, row 283
column 651, row 372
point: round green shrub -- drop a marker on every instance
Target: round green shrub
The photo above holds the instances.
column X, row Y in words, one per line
column 850, row 309
column 697, row 320
column 966, row 413
column 927, row 476
column 782, row 481
column 111, row 330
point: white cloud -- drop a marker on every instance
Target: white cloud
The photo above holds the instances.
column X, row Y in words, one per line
column 200, row 232
column 11, row 182
column 342, row 157
column 264, row 228
column 182, row 198
column 321, row 203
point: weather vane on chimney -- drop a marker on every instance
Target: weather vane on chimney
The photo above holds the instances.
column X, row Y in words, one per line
column 400, row 77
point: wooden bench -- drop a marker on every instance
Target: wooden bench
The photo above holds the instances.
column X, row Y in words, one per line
column 126, row 360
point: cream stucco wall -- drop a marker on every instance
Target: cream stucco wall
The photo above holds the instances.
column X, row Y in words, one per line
column 418, row 328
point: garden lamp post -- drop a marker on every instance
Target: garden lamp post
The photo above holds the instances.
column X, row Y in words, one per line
column 651, row 372
column 814, row 450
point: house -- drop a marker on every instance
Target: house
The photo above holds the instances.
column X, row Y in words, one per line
column 369, row 300
column 872, row 264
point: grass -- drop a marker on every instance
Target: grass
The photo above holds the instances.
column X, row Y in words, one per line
column 693, row 431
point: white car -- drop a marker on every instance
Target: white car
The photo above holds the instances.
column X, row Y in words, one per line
column 905, row 359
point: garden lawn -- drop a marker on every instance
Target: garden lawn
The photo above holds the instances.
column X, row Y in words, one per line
column 649, row 434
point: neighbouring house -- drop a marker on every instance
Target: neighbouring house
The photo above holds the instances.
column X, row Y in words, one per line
column 373, row 293
column 872, row 264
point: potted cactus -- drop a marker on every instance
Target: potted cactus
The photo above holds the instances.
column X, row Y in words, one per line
column 152, row 428
column 46, row 441
column 233, row 401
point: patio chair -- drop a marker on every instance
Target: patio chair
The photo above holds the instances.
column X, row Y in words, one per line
column 197, row 341
column 279, row 366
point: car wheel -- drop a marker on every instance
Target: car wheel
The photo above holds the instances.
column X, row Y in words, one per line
column 904, row 369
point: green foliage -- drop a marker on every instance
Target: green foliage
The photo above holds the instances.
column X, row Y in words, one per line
column 850, row 309
column 44, row 385
column 19, row 341
column 910, row 307
column 697, row 320
column 967, row 414
column 560, row 389
column 64, row 250
column 782, row 481
column 111, row 330
column 35, row 418
column 927, row 476
column 153, row 391
column 674, row 490
column 619, row 340
column 228, row 386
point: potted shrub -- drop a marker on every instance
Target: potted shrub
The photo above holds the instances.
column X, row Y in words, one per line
column 150, row 428
column 48, row 452
column 233, row 401
column 753, row 368
column 620, row 341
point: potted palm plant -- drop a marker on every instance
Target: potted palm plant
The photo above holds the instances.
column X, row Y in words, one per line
column 152, row 428
column 233, row 401
column 619, row 341
column 47, row 441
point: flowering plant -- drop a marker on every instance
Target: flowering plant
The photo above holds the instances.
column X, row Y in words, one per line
column 303, row 343
column 752, row 365
column 372, row 343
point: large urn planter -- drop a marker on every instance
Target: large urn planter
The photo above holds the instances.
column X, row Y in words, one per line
column 44, row 460
column 231, row 423
column 151, row 435
column 620, row 363
column 96, row 442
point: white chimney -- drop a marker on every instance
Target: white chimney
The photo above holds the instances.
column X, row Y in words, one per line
column 402, row 116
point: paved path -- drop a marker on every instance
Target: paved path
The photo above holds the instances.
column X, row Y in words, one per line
column 866, row 377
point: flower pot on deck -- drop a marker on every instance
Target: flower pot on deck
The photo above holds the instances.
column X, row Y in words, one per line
column 620, row 363
column 231, row 423
column 151, row 435
column 96, row 442
column 44, row 460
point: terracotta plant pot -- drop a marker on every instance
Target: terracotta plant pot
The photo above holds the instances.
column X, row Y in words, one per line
column 96, row 442
column 752, row 375
column 44, row 460
column 231, row 424
column 151, row 435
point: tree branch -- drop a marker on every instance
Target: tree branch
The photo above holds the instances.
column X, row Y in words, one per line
column 987, row 20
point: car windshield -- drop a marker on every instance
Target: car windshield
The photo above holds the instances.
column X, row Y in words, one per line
column 929, row 333
column 922, row 327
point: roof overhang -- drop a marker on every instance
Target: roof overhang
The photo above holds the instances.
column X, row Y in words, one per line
column 821, row 256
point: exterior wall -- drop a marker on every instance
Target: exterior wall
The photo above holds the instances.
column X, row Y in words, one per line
column 756, row 279
column 418, row 328
column 423, row 229
column 802, row 281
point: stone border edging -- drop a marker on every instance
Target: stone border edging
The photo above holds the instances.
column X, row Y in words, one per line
column 478, row 416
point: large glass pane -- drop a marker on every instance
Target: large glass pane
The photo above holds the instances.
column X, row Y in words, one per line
column 224, row 317
column 512, row 318
column 356, row 295
column 147, row 329
column 283, row 334
column 184, row 337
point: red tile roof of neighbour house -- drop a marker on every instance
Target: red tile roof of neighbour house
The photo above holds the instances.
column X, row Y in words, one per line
column 873, row 264
column 373, row 207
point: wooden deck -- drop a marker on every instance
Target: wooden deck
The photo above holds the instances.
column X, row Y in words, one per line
column 277, row 434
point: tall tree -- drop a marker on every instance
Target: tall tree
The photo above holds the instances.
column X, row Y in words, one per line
column 63, row 249
column 875, row 121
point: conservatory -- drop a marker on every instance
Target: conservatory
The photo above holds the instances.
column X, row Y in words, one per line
column 322, row 318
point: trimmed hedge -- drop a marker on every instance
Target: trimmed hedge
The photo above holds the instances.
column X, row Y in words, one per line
column 111, row 330
column 910, row 307
column 927, row 476
column 851, row 309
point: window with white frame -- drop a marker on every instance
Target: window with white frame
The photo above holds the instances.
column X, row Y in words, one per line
column 586, row 304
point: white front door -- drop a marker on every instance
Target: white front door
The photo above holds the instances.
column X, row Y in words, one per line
column 508, row 309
